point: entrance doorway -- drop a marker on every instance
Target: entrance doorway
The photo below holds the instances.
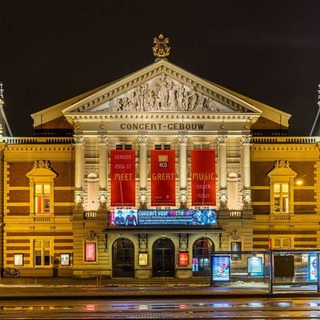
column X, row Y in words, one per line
column 202, row 249
column 163, row 258
column 123, row 258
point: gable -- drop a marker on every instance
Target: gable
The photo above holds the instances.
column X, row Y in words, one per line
column 157, row 91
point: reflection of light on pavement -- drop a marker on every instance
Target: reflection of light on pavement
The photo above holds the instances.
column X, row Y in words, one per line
column 255, row 304
column 221, row 305
column 143, row 307
column 90, row 307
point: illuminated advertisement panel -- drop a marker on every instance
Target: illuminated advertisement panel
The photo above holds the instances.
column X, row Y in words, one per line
column 312, row 268
column 180, row 217
column 163, row 178
column 220, row 268
column 183, row 258
column 203, row 177
column 255, row 266
column 90, row 251
column 123, row 178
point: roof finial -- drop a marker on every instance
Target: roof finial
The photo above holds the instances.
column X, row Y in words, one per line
column 161, row 48
column 1, row 90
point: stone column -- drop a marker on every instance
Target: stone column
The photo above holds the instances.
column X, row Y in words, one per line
column 245, row 155
column 79, row 169
column 183, row 170
column 103, row 169
column 222, row 158
column 143, row 161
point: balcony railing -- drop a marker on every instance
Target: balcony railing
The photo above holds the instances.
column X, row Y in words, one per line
column 286, row 139
column 39, row 140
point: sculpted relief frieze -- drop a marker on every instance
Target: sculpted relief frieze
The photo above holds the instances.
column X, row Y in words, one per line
column 163, row 94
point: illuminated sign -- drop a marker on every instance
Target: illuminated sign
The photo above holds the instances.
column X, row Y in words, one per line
column 90, row 251
column 183, row 258
column 255, row 267
column 220, row 268
column 313, row 267
column 179, row 217
column 143, row 258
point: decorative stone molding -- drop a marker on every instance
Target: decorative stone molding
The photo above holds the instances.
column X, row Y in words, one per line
column 142, row 139
column 79, row 139
column 41, row 164
column 235, row 235
column 182, row 139
column 245, row 139
column 103, row 139
column 222, row 138
column 223, row 198
column 91, row 236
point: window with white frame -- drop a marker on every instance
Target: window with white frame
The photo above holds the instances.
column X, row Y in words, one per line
column 41, row 187
column 281, row 188
column 281, row 197
column 42, row 197
column 42, row 252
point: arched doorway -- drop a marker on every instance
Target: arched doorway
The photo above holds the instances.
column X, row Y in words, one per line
column 163, row 258
column 202, row 249
column 123, row 258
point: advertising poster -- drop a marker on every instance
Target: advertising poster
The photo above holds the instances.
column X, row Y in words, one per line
column 172, row 217
column 255, row 267
column 313, row 268
column 143, row 258
column 203, row 177
column 123, row 179
column 163, row 178
column 220, row 268
column 183, row 258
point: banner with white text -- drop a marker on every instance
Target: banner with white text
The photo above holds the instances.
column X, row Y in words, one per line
column 123, row 189
column 203, row 177
column 163, row 178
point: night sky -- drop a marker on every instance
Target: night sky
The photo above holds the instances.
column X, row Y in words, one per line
column 268, row 50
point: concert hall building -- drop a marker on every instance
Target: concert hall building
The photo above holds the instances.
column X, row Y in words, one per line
column 147, row 176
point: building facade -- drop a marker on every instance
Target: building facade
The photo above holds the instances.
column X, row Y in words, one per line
column 147, row 176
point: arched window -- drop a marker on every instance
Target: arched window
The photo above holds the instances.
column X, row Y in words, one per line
column 202, row 249
column 123, row 258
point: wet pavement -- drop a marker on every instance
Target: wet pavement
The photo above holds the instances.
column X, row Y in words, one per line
column 14, row 288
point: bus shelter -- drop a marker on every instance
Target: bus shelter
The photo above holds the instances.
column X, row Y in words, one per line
column 278, row 269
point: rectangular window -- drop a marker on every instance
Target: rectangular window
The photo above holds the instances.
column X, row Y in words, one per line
column 123, row 147
column 42, row 252
column 281, row 197
column 162, row 147
column 90, row 251
column 281, row 243
column 42, row 198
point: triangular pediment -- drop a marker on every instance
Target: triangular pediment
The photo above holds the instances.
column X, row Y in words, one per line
column 160, row 90
column 162, row 87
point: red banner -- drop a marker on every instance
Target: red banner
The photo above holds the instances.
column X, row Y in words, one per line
column 123, row 182
column 203, row 176
column 163, row 191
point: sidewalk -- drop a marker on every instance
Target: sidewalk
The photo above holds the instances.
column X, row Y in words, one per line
column 57, row 288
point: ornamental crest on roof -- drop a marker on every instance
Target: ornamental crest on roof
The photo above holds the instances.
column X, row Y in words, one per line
column 161, row 48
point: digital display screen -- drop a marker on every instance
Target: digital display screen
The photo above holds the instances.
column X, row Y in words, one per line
column 180, row 217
